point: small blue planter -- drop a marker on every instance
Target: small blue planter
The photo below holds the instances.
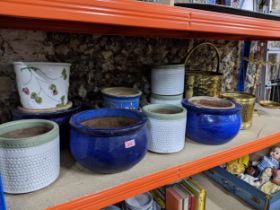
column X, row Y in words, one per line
column 60, row 117
column 121, row 97
column 212, row 125
column 108, row 150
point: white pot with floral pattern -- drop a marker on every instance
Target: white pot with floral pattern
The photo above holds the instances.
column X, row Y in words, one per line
column 42, row 85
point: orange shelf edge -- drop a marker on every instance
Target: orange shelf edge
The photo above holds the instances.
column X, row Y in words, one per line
column 113, row 195
column 134, row 18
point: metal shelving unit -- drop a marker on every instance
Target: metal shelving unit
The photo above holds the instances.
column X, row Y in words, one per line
column 77, row 188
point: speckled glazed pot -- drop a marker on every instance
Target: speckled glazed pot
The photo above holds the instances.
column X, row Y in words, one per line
column 108, row 149
column 61, row 117
column 212, row 120
column 121, row 97
column 29, row 155
column 42, row 85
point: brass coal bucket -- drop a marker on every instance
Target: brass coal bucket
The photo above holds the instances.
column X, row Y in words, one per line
column 247, row 101
column 203, row 83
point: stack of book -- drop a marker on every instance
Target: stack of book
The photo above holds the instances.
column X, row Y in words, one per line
column 185, row 195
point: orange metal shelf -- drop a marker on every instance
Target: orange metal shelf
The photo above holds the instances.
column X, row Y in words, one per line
column 127, row 17
column 144, row 184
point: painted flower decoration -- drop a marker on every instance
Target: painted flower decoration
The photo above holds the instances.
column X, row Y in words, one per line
column 26, row 90
column 53, row 89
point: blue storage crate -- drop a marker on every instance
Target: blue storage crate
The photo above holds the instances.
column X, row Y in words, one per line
column 251, row 195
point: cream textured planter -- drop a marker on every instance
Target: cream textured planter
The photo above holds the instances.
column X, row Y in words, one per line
column 166, row 126
column 42, row 85
column 168, row 79
column 32, row 162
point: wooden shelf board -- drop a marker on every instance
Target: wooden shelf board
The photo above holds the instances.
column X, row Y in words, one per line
column 132, row 18
column 78, row 188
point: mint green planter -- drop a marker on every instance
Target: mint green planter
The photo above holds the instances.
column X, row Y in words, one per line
column 166, row 126
column 29, row 163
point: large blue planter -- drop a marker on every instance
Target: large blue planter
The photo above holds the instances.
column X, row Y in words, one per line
column 61, row 117
column 108, row 150
column 212, row 125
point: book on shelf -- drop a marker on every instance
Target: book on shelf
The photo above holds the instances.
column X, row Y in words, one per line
column 173, row 200
column 191, row 196
column 197, row 191
column 159, row 198
column 184, row 195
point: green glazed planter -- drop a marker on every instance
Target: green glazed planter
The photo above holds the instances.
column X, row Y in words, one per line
column 154, row 111
column 29, row 161
column 29, row 141
column 166, row 126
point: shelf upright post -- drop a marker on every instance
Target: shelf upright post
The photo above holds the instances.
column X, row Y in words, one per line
column 245, row 52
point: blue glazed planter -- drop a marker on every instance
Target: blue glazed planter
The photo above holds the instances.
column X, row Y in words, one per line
column 60, row 117
column 121, row 97
column 108, row 150
column 209, row 125
column 2, row 199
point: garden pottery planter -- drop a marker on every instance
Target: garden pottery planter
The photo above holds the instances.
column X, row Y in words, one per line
column 121, row 97
column 42, row 85
column 161, row 99
column 167, row 127
column 2, row 198
column 108, row 140
column 29, row 154
column 212, row 120
column 168, row 79
column 247, row 102
column 141, row 202
column 61, row 117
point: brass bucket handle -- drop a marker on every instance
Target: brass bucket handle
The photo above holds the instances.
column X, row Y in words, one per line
column 210, row 44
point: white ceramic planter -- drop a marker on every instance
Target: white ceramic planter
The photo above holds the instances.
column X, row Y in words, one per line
column 141, row 202
column 29, row 163
column 42, row 85
column 166, row 126
column 168, row 79
column 160, row 99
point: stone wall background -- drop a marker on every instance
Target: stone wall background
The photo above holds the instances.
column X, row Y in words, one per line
column 103, row 61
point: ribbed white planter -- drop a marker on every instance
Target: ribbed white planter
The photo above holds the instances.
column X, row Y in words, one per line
column 161, row 99
column 42, row 85
column 168, row 79
column 167, row 127
column 30, row 163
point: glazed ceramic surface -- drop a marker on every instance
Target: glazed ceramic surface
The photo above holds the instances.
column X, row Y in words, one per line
column 121, row 97
column 141, row 202
column 168, row 79
column 161, row 99
column 42, row 85
column 2, row 199
column 166, row 130
column 61, row 117
column 31, row 163
column 108, row 150
column 212, row 125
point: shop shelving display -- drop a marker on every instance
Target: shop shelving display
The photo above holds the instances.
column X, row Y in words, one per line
column 78, row 188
